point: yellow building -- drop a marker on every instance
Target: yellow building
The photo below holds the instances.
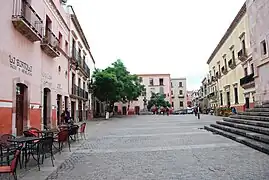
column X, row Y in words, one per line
column 229, row 64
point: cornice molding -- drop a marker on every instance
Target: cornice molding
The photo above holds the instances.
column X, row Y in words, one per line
column 57, row 14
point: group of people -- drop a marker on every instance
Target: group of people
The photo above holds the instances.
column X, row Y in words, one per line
column 161, row 110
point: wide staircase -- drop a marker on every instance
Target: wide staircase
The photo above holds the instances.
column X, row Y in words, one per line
column 250, row 128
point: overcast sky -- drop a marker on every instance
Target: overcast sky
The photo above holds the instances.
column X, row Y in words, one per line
column 156, row 36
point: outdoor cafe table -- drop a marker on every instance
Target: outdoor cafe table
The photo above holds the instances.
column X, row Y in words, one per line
column 24, row 141
column 45, row 133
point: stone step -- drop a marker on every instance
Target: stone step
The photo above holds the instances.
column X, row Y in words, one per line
column 249, row 122
column 258, row 110
column 248, row 117
column 251, row 128
column 249, row 134
column 262, row 106
column 263, row 147
column 252, row 113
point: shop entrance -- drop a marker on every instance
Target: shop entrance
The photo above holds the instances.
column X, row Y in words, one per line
column 21, row 107
column 46, row 107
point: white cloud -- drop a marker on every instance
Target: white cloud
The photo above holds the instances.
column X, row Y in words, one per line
column 156, row 36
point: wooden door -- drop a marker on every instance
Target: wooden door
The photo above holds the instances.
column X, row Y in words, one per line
column 19, row 109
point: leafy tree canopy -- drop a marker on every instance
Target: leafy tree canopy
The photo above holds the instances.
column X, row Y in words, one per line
column 115, row 83
column 158, row 100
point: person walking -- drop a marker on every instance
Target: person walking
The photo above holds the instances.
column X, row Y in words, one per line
column 198, row 111
column 167, row 111
column 195, row 111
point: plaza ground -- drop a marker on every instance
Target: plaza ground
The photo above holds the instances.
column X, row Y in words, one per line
column 155, row 147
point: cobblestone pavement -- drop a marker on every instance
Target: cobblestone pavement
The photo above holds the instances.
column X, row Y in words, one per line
column 158, row 148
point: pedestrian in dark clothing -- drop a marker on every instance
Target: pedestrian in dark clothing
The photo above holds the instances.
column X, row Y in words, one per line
column 167, row 111
column 234, row 110
column 198, row 111
column 63, row 117
column 67, row 116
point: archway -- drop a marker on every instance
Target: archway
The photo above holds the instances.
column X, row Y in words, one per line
column 46, row 107
column 21, row 107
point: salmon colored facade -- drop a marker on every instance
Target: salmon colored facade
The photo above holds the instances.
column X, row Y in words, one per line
column 34, row 63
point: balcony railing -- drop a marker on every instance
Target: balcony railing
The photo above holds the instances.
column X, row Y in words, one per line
column 224, row 70
column 218, row 76
column 76, row 56
column 85, row 68
column 79, row 92
column 26, row 20
column 50, row 44
column 242, row 55
column 213, row 78
column 231, row 64
column 247, row 81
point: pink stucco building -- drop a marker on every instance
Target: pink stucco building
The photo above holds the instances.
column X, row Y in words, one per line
column 258, row 12
column 34, row 62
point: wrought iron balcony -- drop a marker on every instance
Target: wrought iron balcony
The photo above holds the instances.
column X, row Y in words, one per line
column 211, row 95
column 84, row 68
column 218, row 75
column 76, row 57
column 242, row 55
column 213, row 79
column 26, row 20
column 231, row 64
column 80, row 63
column 79, row 92
column 224, row 70
column 50, row 44
column 247, row 81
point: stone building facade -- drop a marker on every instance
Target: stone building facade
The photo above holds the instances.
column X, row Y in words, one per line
column 179, row 93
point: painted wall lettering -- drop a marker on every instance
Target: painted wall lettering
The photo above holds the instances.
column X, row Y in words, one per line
column 59, row 86
column 19, row 65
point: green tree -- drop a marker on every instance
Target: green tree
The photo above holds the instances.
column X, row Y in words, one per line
column 158, row 100
column 115, row 83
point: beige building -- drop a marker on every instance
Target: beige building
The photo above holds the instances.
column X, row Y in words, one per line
column 179, row 93
column 204, row 95
column 229, row 64
column 154, row 83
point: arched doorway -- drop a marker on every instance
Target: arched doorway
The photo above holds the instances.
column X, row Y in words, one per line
column 21, row 107
column 46, row 107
